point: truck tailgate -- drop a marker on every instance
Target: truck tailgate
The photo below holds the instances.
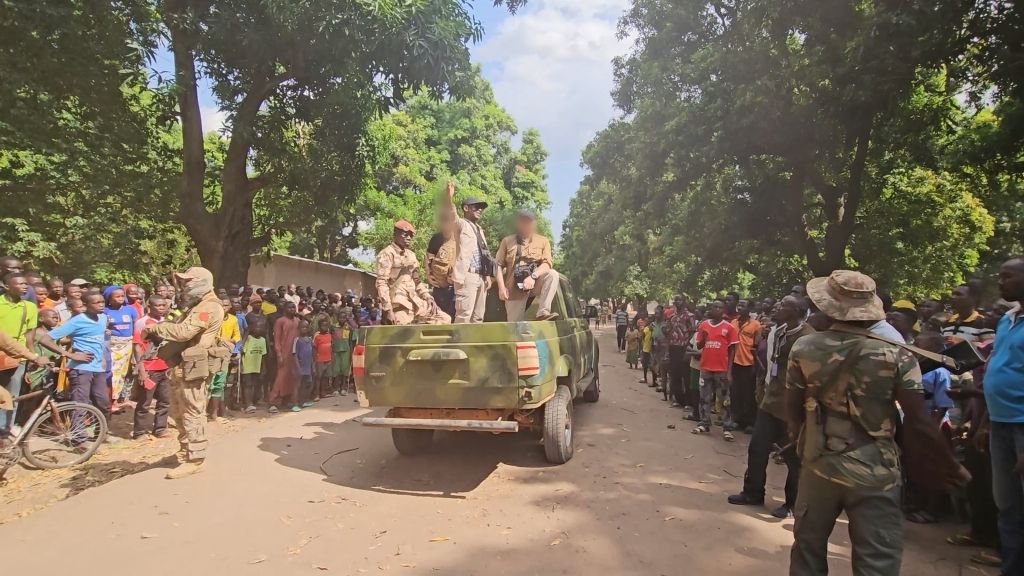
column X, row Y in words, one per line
column 445, row 366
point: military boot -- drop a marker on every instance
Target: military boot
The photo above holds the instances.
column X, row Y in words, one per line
column 185, row 469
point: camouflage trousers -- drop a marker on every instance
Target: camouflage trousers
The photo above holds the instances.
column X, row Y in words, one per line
column 876, row 527
column 712, row 385
column 188, row 408
column 405, row 316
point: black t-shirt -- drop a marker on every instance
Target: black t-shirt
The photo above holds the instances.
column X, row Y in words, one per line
column 436, row 241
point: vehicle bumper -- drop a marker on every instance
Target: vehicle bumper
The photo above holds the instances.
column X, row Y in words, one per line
column 443, row 424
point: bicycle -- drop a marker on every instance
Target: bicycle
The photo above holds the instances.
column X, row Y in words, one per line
column 57, row 434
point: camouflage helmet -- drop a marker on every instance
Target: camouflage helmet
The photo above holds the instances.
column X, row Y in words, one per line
column 846, row 295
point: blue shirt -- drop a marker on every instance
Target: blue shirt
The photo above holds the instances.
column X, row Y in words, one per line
column 1004, row 376
column 122, row 321
column 303, row 350
column 936, row 384
column 88, row 336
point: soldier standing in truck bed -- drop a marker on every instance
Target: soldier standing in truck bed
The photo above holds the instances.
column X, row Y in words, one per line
column 404, row 298
column 842, row 388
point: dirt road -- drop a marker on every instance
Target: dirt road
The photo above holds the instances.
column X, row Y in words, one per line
column 638, row 498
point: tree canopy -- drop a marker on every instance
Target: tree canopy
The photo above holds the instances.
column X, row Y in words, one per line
column 93, row 144
column 762, row 142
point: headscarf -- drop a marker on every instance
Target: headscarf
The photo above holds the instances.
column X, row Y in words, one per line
column 110, row 290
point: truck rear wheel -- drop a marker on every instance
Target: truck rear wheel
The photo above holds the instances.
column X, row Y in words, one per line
column 558, row 433
column 410, row 442
column 593, row 392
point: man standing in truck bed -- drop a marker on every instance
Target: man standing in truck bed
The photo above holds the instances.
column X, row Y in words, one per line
column 404, row 298
column 473, row 267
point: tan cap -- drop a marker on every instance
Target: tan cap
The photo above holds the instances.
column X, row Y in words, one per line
column 846, row 295
column 195, row 273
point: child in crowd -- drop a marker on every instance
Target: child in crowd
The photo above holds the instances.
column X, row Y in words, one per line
column 646, row 343
column 324, row 348
column 75, row 306
column 254, row 348
column 302, row 350
column 632, row 347
column 36, row 377
column 343, row 327
column 152, row 382
column 88, row 367
column 229, row 332
column 717, row 340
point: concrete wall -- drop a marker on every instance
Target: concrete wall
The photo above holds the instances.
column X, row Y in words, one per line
column 283, row 270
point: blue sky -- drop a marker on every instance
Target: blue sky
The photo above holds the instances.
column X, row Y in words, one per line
column 550, row 65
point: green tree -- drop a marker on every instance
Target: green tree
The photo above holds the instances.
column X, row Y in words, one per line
column 469, row 140
column 272, row 64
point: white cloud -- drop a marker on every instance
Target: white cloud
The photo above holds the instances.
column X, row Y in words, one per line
column 214, row 119
column 550, row 65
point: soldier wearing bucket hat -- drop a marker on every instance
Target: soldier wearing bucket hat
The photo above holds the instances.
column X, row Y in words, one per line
column 842, row 386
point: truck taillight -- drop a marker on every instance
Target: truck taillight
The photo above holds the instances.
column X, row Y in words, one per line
column 528, row 359
column 359, row 361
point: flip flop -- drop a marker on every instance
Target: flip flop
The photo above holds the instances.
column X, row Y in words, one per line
column 962, row 540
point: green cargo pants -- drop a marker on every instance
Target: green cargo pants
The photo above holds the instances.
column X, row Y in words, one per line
column 876, row 527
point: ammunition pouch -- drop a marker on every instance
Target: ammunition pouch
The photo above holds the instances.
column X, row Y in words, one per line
column 220, row 355
column 195, row 363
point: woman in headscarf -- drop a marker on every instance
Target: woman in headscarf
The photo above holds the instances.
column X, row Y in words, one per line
column 121, row 318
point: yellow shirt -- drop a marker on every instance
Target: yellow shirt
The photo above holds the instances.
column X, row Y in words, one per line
column 648, row 336
column 229, row 329
column 267, row 308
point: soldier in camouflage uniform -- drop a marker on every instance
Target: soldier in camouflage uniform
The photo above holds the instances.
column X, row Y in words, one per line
column 842, row 386
column 404, row 298
column 192, row 347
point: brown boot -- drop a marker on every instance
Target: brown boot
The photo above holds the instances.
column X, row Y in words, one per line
column 186, row 469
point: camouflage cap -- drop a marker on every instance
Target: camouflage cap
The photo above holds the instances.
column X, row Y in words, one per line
column 846, row 295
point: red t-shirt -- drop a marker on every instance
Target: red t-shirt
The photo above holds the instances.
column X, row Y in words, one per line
column 155, row 364
column 714, row 357
column 322, row 346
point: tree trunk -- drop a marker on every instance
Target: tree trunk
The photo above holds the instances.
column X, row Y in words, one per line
column 224, row 239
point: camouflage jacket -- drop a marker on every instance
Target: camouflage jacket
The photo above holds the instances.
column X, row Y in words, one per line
column 854, row 380
column 398, row 280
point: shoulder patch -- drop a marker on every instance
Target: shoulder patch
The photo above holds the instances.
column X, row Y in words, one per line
column 204, row 316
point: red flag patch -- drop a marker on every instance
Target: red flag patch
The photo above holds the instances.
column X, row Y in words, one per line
column 204, row 316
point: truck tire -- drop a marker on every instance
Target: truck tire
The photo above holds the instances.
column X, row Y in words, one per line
column 593, row 392
column 558, row 432
column 410, row 442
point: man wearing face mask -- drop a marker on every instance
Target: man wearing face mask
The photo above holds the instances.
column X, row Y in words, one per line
column 192, row 347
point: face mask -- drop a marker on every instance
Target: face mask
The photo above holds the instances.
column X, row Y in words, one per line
column 195, row 290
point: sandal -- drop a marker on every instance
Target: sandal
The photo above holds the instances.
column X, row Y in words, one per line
column 963, row 540
column 727, row 436
column 987, row 558
column 701, row 429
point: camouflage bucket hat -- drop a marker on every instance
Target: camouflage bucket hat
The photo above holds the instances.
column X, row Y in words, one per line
column 846, row 295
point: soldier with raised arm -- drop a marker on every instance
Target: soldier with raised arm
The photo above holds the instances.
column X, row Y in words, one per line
column 404, row 297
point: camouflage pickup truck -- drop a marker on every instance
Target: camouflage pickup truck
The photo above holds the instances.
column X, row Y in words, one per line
column 492, row 377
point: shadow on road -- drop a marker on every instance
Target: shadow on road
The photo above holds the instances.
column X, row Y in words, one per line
column 457, row 462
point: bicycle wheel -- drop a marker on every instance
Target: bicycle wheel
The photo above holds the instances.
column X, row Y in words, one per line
column 72, row 438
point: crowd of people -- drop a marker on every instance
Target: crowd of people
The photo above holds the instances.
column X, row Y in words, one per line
column 826, row 380
column 287, row 347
